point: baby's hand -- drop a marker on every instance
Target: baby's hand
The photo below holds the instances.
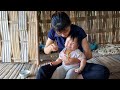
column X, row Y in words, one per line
column 65, row 60
column 77, row 70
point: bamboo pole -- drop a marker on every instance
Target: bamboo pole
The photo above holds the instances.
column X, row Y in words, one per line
column 1, row 35
column 37, row 41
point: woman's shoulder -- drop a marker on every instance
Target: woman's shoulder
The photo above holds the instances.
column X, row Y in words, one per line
column 76, row 28
column 52, row 30
column 80, row 30
column 51, row 34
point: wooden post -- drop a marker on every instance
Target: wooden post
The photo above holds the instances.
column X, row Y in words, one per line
column 37, row 37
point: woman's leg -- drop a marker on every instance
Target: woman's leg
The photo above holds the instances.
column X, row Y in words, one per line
column 59, row 73
column 46, row 71
column 95, row 71
column 80, row 76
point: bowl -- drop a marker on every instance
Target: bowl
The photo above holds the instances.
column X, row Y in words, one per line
column 24, row 74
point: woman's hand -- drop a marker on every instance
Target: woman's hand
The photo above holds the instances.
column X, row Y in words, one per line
column 54, row 47
column 50, row 46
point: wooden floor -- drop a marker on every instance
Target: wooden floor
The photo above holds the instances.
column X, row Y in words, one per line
column 112, row 62
column 12, row 70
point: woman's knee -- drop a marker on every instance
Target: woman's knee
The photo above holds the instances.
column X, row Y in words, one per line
column 45, row 72
column 40, row 74
column 106, row 72
column 96, row 71
column 59, row 73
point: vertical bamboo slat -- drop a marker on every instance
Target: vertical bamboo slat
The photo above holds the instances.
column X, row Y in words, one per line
column 33, row 35
column 14, row 33
column 6, row 47
column 17, row 35
column 23, row 36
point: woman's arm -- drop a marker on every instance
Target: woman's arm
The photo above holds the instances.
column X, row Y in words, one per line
column 50, row 46
column 86, row 49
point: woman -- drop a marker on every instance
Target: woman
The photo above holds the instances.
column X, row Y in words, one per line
column 61, row 29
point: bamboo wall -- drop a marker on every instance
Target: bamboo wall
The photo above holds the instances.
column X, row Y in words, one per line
column 102, row 26
column 18, row 36
column 22, row 31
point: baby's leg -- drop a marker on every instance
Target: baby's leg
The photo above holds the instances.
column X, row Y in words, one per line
column 59, row 73
column 71, row 74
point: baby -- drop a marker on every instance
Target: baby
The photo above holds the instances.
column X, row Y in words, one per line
column 70, row 52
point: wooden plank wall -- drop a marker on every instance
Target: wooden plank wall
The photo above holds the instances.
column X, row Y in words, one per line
column 18, row 36
column 102, row 26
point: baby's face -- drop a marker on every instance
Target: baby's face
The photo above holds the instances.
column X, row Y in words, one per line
column 71, row 44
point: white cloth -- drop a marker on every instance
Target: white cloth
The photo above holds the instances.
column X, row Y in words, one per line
column 74, row 54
